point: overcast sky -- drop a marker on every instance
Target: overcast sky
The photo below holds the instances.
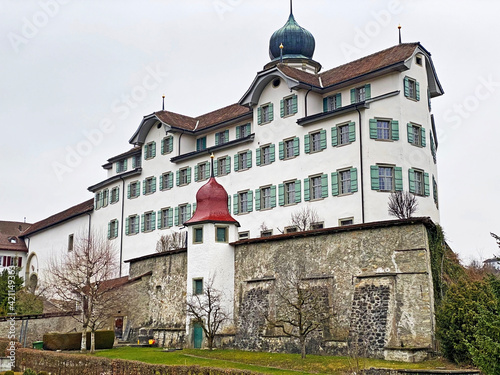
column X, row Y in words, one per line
column 76, row 78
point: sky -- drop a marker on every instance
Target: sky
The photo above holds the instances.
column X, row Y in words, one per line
column 77, row 77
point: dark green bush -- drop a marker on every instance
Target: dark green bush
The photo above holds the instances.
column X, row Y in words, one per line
column 9, row 372
column 28, row 371
column 72, row 341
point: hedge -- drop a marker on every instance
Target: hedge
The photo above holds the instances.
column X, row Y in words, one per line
column 5, row 346
column 72, row 341
column 71, row 364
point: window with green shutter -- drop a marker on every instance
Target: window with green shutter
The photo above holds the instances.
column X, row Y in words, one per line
column 343, row 134
column 416, row 135
column 243, row 160
column 221, row 137
column 315, row 141
column 265, row 113
column 289, row 148
column 332, row 102
column 411, row 88
column 288, row 106
column 289, row 192
column 113, row 229
column 183, row 176
column 201, row 143
column 433, row 148
column 384, row 129
column 435, row 191
column 134, row 189
column 149, row 185
column 243, row 131
column 265, row 155
column 360, row 94
column 201, row 171
column 386, row 178
column 318, row 187
column 166, row 181
column 150, row 150
column 167, row 145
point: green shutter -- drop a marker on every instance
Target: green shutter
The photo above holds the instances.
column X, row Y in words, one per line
column 273, row 196
column 177, row 178
column 145, row 151
column 207, row 169
column 298, row 191
column 128, row 191
column 307, row 192
column 296, row 144
column 188, row 212
column 282, row 108
column 324, row 186
column 250, row 201
column 417, row 90
column 409, row 128
column 161, row 182
column 259, row 115
column 170, row 180
column 170, row 217
column 216, row 170
column 153, row 220
column 338, row 100
column 426, row 184
column 144, row 187
column 228, row 164
column 163, row 142
column 127, row 226
column 248, row 127
column 176, row 219
column 249, row 159
column 368, row 91
column 411, row 178
column 294, row 104
column 138, row 188
column 189, row 175
column 325, row 104
column 374, row 177
column 282, row 150
column 406, row 84
column 154, row 185
column 395, row 130
column 335, row 184
column 272, row 156
column 142, row 223
column 307, row 144
column 159, row 224
column 171, row 143
column 109, row 230
column 216, row 139
column 322, row 136
column 226, row 135
column 236, row 160
column 352, row 132
column 196, row 173
column 335, row 138
column 354, row 180
column 373, row 129
column 281, row 194
column 235, row 204
column 353, row 96
column 271, row 112
column 257, row 199
column 238, row 131
column 424, row 143
column 153, row 145
column 229, row 203
column 398, row 177
column 257, row 156
column 125, row 165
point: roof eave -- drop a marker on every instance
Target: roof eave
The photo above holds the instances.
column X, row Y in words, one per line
column 134, row 172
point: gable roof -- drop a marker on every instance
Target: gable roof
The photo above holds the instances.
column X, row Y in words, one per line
column 60, row 217
column 11, row 231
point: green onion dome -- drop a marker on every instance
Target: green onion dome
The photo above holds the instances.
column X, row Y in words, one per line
column 297, row 41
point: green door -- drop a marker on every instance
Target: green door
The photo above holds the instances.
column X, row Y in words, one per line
column 197, row 335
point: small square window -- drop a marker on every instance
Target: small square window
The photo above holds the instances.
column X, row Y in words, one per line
column 346, row 221
column 292, row 229
column 266, row 233
column 71, row 238
column 221, row 234
column 317, row 225
column 197, row 286
column 197, row 235
column 243, row 235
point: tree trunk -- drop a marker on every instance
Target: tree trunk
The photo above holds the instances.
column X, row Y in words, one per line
column 83, row 347
column 302, row 347
column 92, row 341
column 210, row 342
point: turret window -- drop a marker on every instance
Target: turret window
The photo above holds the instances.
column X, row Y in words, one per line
column 411, row 88
column 419, row 182
column 221, row 234
column 383, row 129
column 386, row 178
column 416, row 135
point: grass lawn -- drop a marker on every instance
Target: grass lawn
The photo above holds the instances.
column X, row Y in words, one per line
column 269, row 363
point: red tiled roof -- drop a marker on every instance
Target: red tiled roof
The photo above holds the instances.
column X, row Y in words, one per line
column 60, row 217
column 11, row 230
column 204, row 121
column 365, row 65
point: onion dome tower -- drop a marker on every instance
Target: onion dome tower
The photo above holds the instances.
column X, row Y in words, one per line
column 293, row 45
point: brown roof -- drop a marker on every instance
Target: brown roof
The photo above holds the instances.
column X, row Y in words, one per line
column 60, row 217
column 204, row 121
column 379, row 60
column 10, row 232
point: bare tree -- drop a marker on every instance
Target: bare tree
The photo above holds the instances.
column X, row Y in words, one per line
column 304, row 218
column 206, row 309
column 83, row 277
column 402, row 204
column 172, row 241
column 302, row 308
column 497, row 238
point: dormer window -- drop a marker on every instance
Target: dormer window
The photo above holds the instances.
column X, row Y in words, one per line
column 360, row 94
column 418, row 60
column 221, row 137
column 121, row 166
column 13, row 240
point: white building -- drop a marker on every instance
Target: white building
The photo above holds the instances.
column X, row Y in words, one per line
column 337, row 141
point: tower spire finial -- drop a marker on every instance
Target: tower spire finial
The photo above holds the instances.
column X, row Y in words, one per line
column 212, row 174
column 291, row 6
column 399, row 28
column 163, row 103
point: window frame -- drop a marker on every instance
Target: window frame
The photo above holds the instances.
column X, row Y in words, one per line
column 133, row 223
column 287, row 192
column 164, row 218
column 113, row 229
column 150, row 150
column 167, row 145
column 114, row 196
column 225, row 228
column 289, row 152
column 197, row 230
column 315, row 189
column 243, row 203
column 343, row 181
column 149, row 221
column 344, row 221
column 266, row 198
column 149, row 185
column 134, row 188
column 166, row 181
column 222, row 137
column 203, row 145
column 183, row 176
column 266, row 233
column 198, row 291
column 121, row 166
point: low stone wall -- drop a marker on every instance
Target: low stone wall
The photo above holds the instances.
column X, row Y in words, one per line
column 71, row 364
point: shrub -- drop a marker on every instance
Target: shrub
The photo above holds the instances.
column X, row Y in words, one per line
column 72, row 341
column 9, row 372
column 28, row 371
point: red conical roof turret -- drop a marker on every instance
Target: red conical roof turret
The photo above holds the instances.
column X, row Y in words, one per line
column 211, row 204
